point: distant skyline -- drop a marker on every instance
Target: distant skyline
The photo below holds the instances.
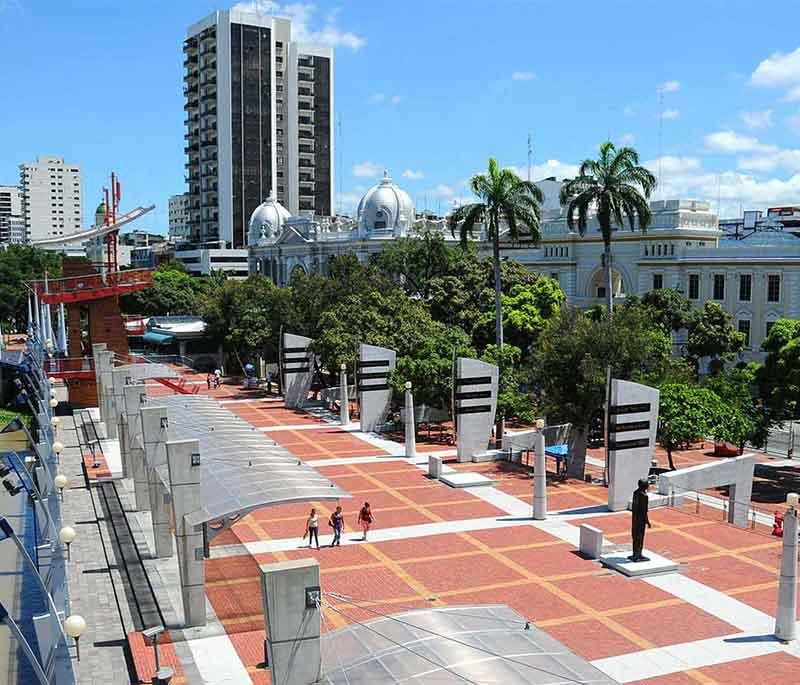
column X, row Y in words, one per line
column 430, row 90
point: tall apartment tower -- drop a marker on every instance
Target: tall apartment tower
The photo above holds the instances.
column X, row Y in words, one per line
column 259, row 120
column 179, row 216
column 12, row 222
column 51, row 198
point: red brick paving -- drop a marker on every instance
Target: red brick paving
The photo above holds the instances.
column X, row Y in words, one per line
column 593, row 611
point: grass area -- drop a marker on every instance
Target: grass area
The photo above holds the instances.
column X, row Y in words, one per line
column 6, row 415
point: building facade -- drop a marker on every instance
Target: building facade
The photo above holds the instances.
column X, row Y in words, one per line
column 179, row 217
column 259, row 118
column 12, row 222
column 756, row 277
column 51, row 198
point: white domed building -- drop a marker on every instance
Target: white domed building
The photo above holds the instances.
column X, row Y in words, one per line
column 280, row 244
column 385, row 211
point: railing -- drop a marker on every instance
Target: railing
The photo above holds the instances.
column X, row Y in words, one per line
column 68, row 365
column 71, row 284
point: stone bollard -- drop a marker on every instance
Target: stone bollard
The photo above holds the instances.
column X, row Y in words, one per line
column 591, row 542
column 786, row 619
column 344, row 401
column 434, row 466
column 411, row 432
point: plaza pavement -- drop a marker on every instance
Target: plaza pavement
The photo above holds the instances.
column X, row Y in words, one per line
column 432, row 545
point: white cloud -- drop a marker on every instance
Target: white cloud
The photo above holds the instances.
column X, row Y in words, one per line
column 669, row 114
column 673, row 165
column 553, row 167
column 669, row 86
column 793, row 95
column 627, row 139
column 777, row 159
column 757, row 120
column 630, row 110
column 302, row 16
column 412, row 175
column 778, row 70
column 523, row 76
column 730, row 142
column 366, row 169
column 382, row 99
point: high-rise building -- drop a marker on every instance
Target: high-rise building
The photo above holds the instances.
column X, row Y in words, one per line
column 12, row 223
column 179, row 216
column 259, row 118
column 51, row 198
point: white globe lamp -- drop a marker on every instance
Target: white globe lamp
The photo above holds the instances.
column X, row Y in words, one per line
column 75, row 626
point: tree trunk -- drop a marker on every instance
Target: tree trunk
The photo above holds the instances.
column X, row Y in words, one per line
column 498, row 311
column 576, row 447
column 609, row 279
column 669, row 457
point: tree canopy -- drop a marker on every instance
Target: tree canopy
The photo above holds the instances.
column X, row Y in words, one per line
column 711, row 334
column 20, row 264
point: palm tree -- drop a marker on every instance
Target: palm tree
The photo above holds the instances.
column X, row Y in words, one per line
column 503, row 198
column 617, row 188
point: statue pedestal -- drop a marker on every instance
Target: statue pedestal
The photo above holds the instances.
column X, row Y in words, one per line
column 618, row 561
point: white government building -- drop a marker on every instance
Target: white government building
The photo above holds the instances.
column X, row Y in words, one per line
column 756, row 278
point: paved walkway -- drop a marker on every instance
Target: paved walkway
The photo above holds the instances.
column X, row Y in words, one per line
column 433, row 545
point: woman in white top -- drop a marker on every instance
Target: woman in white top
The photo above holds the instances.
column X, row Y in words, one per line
column 312, row 528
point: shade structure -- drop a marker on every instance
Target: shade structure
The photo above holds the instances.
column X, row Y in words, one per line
column 157, row 338
column 241, row 469
column 478, row 643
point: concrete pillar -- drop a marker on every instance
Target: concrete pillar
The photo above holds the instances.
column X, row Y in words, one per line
column 411, row 431
column 539, row 478
column 290, row 591
column 786, row 618
column 134, row 396
column 183, row 461
column 344, row 400
column 116, row 414
column 103, row 364
column 105, row 403
column 154, row 435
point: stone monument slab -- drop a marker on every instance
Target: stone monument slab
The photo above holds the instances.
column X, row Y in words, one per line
column 374, row 392
column 475, row 396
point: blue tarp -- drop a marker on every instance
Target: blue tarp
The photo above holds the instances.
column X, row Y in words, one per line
column 158, row 338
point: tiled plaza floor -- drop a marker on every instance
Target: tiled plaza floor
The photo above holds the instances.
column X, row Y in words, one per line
column 597, row 613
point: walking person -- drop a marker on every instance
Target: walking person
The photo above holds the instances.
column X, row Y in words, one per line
column 312, row 528
column 365, row 519
column 337, row 523
column 208, row 380
column 217, row 377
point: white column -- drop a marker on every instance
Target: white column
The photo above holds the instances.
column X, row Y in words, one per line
column 786, row 619
column 134, row 395
column 539, row 478
column 411, row 433
column 154, row 434
column 183, row 460
column 344, row 400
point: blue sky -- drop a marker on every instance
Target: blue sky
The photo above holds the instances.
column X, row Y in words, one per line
column 430, row 89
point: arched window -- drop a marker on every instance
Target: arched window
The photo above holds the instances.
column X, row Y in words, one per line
column 380, row 219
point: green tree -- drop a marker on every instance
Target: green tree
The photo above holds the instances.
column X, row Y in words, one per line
column 173, row 291
column 686, row 413
column 20, row 264
column 503, row 198
column 429, row 366
column 669, row 308
column 779, row 378
column 525, row 312
column 617, row 188
column 511, row 402
column 711, row 334
column 573, row 353
column 738, row 387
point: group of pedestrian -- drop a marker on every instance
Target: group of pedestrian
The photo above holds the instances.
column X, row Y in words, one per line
column 336, row 522
column 214, row 378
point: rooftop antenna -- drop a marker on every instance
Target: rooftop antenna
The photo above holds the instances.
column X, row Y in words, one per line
column 339, row 171
column 530, row 156
column 719, row 196
column 660, row 137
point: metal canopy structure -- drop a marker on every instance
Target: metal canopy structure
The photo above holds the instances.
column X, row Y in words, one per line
column 241, row 469
column 463, row 644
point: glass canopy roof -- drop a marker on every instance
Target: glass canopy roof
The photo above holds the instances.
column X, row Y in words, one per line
column 241, row 469
column 462, row 644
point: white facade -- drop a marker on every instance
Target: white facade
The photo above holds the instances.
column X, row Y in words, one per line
column 201, row 261
column 12, row 222
column 52, row 198
column 259, row 120
column 179, row 216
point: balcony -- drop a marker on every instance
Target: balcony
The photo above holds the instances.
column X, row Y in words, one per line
column 306, row 163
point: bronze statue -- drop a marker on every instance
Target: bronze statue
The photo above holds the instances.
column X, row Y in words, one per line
column 639, row 520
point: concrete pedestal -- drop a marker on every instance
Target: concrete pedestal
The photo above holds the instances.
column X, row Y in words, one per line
column 591, row 542
column 619, row 561
column 292, row 620
column 154, row 435
column 434, row 466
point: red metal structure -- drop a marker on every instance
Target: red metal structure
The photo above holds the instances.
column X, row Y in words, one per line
column 93, row 286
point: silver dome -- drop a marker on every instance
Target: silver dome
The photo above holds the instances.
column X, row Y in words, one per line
column 266, row 221
column 385, row 210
